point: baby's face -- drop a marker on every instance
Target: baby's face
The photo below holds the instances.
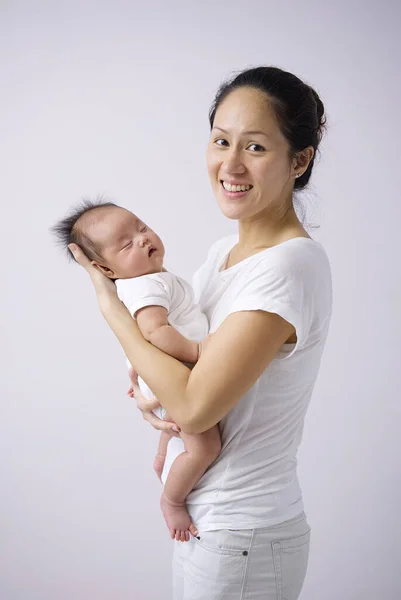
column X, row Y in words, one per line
column 129, row 248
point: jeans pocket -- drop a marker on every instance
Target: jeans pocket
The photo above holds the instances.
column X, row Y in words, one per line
column 229, row 542
column 290, row 558
column 216, row 565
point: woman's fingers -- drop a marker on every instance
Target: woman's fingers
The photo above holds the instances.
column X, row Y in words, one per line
column 80, row 257
column 133, row 375
column 104, row 286
column 159, row 424
column 145, row 404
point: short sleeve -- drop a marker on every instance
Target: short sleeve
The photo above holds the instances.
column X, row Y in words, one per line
column 147, row 290
column 287, row 284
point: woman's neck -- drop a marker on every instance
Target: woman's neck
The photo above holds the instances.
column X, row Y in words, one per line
column 267, row 231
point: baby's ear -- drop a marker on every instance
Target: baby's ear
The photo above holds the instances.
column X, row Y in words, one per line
column 105, row 270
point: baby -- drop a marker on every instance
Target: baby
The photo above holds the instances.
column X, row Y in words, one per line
column 126, row 250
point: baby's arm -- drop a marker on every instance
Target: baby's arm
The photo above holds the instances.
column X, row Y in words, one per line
column 153, row 324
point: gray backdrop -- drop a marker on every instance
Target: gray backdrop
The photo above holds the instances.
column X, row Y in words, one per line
column 112, row 98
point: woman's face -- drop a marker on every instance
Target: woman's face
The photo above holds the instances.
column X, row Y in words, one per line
column 247, row 149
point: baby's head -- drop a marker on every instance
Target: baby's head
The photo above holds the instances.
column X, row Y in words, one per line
column 116, row 241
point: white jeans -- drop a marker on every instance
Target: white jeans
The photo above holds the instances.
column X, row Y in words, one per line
column 243, row 564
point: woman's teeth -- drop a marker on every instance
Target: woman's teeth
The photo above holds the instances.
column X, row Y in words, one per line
column 236, row 188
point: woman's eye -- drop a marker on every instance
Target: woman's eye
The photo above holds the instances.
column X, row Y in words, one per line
column 256, row 148
column 221, row 142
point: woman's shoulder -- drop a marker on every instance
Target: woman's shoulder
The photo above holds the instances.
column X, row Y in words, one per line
column 296, row 253
column 292, row 279
column 297, row 266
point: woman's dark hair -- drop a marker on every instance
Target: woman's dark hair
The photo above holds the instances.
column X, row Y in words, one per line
column 298, row 108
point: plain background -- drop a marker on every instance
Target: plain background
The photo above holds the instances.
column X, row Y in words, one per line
column 112, row 98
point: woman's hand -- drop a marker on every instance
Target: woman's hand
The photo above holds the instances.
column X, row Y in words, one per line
column 133, row 377
column 146, row 406
column 106, row 292
column 105, row 288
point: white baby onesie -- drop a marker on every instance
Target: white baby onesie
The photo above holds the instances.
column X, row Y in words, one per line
column 177, row 297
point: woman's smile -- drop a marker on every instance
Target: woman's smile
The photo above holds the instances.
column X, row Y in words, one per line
column 235, row 190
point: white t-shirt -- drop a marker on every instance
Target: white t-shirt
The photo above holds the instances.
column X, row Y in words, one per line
column 177, row 297
column 253, row 483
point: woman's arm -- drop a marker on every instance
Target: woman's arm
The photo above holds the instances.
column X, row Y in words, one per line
column 236, row 356
column 239, row 352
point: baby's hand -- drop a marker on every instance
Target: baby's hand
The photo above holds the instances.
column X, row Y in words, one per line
column 204, row 343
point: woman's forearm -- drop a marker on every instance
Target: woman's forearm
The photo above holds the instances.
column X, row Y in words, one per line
column 166, row 376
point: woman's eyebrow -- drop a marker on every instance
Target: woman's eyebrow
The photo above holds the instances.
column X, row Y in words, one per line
column 256, row 132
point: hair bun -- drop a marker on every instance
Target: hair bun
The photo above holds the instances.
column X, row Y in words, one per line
column 321, row 117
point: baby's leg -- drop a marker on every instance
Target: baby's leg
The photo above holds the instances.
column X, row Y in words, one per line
column 160, row 457
column 200, row 451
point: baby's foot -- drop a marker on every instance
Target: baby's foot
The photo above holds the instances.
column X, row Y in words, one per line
column 158, row 465
column 177, row 519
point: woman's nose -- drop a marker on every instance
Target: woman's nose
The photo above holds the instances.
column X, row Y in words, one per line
column 233, row 163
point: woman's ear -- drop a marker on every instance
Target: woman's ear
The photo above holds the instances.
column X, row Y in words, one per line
column 303, row 158
column 105, row 270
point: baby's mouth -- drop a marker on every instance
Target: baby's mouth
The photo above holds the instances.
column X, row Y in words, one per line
column 151, row 251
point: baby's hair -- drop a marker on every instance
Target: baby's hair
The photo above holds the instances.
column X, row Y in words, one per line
column 70, row 230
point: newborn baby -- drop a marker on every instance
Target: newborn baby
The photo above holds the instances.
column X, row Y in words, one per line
column 126, row 250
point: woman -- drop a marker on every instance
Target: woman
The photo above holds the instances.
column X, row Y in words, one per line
column 267, row 294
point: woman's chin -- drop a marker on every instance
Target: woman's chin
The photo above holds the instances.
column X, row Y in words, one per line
column 233, row 211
